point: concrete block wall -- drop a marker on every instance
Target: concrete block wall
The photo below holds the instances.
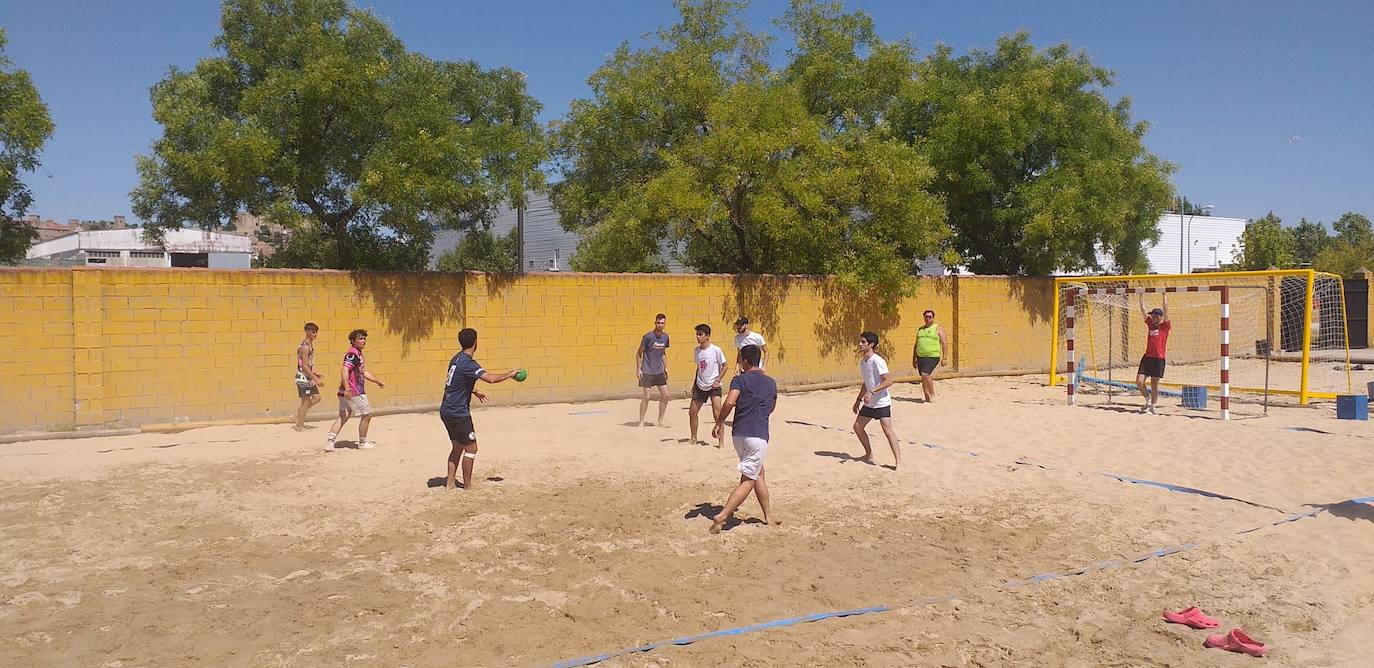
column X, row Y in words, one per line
column 123, row 347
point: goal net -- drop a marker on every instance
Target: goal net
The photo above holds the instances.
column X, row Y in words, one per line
column 1285, row 335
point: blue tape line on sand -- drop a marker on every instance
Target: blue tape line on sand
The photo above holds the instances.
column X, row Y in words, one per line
column 1137, row 481
column 1187, row 490
column 687, row 640
column 1009, row 584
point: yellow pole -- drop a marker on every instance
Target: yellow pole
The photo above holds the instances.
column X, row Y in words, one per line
column 1307, row 334
column 1054, row 338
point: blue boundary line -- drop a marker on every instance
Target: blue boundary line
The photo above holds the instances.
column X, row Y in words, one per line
column 1116, row 476
column 1159, row 553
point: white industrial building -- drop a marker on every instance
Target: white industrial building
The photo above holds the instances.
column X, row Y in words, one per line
column 127, row 248
column 1194, row 243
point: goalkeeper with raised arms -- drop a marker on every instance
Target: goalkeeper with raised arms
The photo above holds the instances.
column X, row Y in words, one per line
column 1152, row 363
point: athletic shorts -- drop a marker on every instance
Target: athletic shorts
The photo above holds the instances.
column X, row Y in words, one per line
column 358, row 405
column 875, row 413
column 704, row 396
column 751, row 451
column 460, row 429
column 1151, row 367
column 653, row 379
column 307, row 391
column 926, row 365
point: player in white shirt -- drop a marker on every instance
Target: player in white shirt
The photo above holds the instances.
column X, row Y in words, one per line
column 745, row 337
column 874, row 402
column 710, row 362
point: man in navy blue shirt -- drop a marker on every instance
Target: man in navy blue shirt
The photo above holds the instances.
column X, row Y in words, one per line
column 456, row 411
column 755, row 395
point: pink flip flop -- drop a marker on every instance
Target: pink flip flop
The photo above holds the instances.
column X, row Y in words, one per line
column 1237, row 641
column 1191, row 617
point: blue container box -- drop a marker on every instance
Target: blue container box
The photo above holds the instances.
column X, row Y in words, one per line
column 1352, row 407
column 1194, row 396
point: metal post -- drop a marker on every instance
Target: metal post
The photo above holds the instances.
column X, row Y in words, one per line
column 520, row 236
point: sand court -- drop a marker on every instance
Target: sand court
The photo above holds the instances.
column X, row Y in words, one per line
column 247, row 545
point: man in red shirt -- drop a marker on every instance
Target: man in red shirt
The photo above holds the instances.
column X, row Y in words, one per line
column 1152, row 364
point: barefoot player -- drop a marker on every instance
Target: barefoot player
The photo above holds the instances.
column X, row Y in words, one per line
column 755, row 395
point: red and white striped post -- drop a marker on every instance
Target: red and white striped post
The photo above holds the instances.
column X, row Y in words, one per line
column 1069, row 295
column 1225, row 352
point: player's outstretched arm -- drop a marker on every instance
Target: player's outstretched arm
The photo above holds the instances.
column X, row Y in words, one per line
column 1165, row 297
column 496, row 378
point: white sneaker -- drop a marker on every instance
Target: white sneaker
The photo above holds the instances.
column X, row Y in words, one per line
column 366, row 445
column 1152, row 409
column 329, row 446
column 1145, row 409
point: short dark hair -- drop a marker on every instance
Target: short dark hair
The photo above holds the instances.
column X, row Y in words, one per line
column 871, row 338
column 311, row 327
column 353, row 335
column 741, row 321
column 660, row 317
column 467, row 338
column 751, row 354
column 929, row 313
column 704, row 328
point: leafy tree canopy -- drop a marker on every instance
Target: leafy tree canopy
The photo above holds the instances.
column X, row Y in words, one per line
column 1265, row 243
column 315, row 116
column 695, row 144
column 24, row 127
column 1039, row 170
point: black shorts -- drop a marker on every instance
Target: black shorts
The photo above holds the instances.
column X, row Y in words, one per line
column 704, row 396
column 460, row 429
column 1151, row 367
column 926, row 365
column 653, row 379
column 875, row 413
column 311, row 391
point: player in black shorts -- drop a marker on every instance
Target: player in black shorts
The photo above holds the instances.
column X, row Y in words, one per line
column 456, row 410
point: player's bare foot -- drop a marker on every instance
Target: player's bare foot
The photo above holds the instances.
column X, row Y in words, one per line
column 866, row 459
column 717, row 524
column 663, row 425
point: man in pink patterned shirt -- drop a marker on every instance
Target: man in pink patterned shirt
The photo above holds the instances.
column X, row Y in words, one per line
column 353, row 392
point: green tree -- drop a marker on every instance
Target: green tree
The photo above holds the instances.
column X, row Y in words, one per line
column 24, row 127
column 1309, row 240
column 315, row 116
column 1353, row 229
column 1265, row 243
column 696, row 145
column 1038, row 168
column 1352, row 248
column 481, row 250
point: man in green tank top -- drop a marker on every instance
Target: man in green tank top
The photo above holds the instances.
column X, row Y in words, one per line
column 929, row 353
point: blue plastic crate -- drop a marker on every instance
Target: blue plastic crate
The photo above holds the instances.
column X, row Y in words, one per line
column 1352, row 407
column 1194, row 396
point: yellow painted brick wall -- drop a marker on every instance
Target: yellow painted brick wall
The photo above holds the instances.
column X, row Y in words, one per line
column 37, row 390
column 136, row 346
column 1004, row 323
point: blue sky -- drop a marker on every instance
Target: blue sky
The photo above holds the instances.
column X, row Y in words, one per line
column 1263, row 105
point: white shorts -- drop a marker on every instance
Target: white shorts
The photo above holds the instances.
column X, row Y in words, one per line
column 751, row 451
column 358, row 405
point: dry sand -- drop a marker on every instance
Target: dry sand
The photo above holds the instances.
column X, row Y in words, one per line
column 249, row 546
